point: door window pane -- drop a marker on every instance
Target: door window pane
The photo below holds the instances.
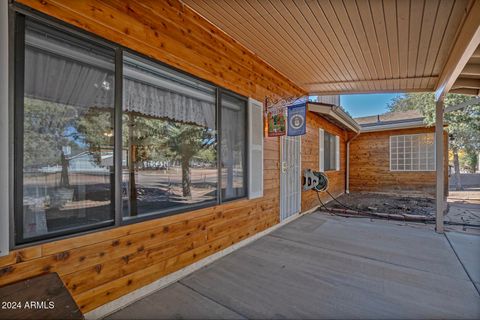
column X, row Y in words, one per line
column 234, row 126
column 67, row 133
column 169, row 140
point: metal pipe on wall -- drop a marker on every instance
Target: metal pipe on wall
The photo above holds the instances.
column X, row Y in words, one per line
column 347, row 167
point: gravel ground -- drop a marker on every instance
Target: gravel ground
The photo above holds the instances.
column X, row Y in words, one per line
column 464, row 207
column 384, row 203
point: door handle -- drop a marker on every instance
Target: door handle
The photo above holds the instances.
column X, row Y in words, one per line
column 284, row 167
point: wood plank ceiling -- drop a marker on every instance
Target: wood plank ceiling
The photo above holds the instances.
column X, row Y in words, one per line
column 335, row 46
column 469, row 80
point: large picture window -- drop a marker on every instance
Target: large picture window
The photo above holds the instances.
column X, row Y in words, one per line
column 67, row 122
column 169, row 139
column 414, row 152
column 104, row 136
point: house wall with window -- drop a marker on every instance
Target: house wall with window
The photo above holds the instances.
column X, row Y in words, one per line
column 135, row 244
column 408, row 171
column 311, row 159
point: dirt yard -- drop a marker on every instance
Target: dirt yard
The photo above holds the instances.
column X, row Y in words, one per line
column 464, row 207
column 383, row 203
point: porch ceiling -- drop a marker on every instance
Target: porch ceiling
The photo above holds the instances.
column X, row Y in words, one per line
column 468, row 82
column 335, row 46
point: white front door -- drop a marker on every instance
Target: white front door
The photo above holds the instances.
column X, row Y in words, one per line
column 290, row 179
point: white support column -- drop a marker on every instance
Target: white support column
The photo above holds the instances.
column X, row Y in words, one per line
column 439, row 150
column 4, row 169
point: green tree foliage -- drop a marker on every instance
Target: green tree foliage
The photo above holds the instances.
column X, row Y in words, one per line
column 51, row 126
column 148, row 137
column 470, row 161
column 165, row 140
column 185, row 141
column 45, row 127
column 412, row 101
column 95, row 129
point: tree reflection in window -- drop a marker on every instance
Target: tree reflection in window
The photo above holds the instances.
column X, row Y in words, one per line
column 68, row 167
column 169, row 139
column 67, row 152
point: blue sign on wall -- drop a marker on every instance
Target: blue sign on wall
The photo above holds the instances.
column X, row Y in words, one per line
column 297, row 119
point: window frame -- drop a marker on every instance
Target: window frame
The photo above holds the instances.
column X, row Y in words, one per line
column 411, row 170
column 220, row 92
column 17, row 132
column 18, row 14
column 334, row 136
column 157, row 214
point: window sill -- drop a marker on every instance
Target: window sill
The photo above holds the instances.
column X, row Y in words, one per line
column 166, row 213
column 411, row 171
column 63, row 235
column 234, row 199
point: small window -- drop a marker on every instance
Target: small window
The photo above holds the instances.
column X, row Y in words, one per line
column 415, row 152
column 330, row 149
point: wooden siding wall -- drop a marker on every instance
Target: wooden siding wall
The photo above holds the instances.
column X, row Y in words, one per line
column 102, row 266
column 370, row 166
column 171, row 32
column 310, row 157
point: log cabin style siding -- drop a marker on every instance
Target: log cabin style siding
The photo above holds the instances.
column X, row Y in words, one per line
column 102, row 266
column 370, row 166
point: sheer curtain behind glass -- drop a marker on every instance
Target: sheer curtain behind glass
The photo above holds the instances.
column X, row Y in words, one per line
column 67, row 132
column 233, row 147
column 169, row 140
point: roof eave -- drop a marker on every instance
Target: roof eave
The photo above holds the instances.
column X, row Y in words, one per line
column 394, row 126
column 335, row 113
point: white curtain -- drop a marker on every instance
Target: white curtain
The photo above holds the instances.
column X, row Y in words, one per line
column 153, row 101
column 57, row 79
column 61, row 79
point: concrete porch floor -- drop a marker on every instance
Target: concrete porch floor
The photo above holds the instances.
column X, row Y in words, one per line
column 330, row 267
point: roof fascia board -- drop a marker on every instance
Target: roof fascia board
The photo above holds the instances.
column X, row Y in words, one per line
column 336, row 113
column 394, row 126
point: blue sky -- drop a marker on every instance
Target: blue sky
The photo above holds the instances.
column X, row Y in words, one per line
column 360, row 105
